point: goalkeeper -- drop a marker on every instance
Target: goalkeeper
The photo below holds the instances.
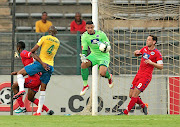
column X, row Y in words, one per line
column 93, row 39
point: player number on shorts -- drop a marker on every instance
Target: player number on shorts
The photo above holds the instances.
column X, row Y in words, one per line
column 139, row 86
column 50, row 49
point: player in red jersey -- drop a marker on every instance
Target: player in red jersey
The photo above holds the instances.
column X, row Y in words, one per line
column 31, row 82
column 151, row 58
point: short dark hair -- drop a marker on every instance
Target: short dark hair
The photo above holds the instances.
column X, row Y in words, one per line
column 154, row 38
column 21, row 45
column 77, row 13
column 89, row 23
column 44, row 13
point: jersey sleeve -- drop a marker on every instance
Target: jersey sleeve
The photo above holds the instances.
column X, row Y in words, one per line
column 141, row 50
column 84, row 42
column 40, row 42
column 159, row 58
column 104, row 38
column 25, row 54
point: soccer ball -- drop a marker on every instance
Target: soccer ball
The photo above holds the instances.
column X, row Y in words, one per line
column 5, row 95
column 104, row 47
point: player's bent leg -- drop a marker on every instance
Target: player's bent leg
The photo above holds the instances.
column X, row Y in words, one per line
column 104, row 73
column 15, row 88
column 22, row 71
column 85, row 74
column 133, row 100
column 85, row 65
column 22, row 108
column 20, row 80
column 31, row 95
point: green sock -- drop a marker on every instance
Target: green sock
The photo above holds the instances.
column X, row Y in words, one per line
column 107, row 75
column 84, row 74
column 85, row 82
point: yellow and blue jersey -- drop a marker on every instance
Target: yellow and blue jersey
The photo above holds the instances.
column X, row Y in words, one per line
column 49, row 46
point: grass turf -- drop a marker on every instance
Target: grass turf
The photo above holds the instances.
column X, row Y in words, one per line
column 91, row 121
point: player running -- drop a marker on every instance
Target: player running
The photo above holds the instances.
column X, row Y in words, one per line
column 151, row 58
column 93, row 38
column 49, row 45
column 31, row 82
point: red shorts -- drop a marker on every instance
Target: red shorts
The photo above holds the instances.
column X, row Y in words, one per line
column 140, row 82
column 32, row 83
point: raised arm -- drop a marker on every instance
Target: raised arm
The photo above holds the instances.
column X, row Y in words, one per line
column 137, row 53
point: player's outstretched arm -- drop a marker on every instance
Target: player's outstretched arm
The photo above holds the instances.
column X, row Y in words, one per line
column 34, row 48
column 137, row 53
column 45, row 66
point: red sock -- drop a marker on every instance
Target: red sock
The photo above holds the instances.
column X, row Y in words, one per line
column 139, row 101
column 131, row 105
column 20, row 102
column 36, row 101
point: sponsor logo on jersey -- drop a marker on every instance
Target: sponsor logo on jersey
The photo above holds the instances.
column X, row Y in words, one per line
column 146, row 56
column 152, row 53
column 94, row 41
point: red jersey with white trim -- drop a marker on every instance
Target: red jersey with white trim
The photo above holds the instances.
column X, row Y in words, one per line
column 26, row 60
column 154, row 56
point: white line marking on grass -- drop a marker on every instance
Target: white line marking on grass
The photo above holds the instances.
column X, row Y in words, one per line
column 133, row 119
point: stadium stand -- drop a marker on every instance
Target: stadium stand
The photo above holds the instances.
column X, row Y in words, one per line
column 61, row 13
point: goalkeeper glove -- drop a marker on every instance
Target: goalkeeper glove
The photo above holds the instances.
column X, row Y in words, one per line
column 83, row 58
column 16, row 55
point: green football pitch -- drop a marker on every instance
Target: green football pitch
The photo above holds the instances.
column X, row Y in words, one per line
column 91, row 121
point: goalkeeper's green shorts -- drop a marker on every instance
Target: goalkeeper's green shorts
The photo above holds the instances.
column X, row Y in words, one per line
column 98, row 59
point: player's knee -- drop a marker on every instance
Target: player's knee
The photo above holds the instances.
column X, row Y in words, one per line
column 83, row 65
column 103, row 74
column 22, row 72
column 15, row 86
column 43, row 88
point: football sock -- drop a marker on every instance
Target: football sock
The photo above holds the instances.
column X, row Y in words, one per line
column 41, row 101
column 85, row 82
column 20, row 80
column 36, row 101
column 20, row 102
column 107, row 75
column 131, row 105
column 139, row 101
column 84, row 74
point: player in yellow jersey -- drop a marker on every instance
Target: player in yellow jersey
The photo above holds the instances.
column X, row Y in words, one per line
column 49, row 45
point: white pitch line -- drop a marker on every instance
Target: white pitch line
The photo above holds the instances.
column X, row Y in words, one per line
column 133, row 119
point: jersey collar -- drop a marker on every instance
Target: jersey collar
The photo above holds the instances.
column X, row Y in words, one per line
column 92, row 34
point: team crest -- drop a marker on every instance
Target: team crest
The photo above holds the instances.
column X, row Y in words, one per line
column 146, row 56
column 97, row 35
column 94, row 41
column 152, row 53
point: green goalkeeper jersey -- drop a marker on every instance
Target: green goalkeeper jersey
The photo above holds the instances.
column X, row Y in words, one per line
column 91, row 41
